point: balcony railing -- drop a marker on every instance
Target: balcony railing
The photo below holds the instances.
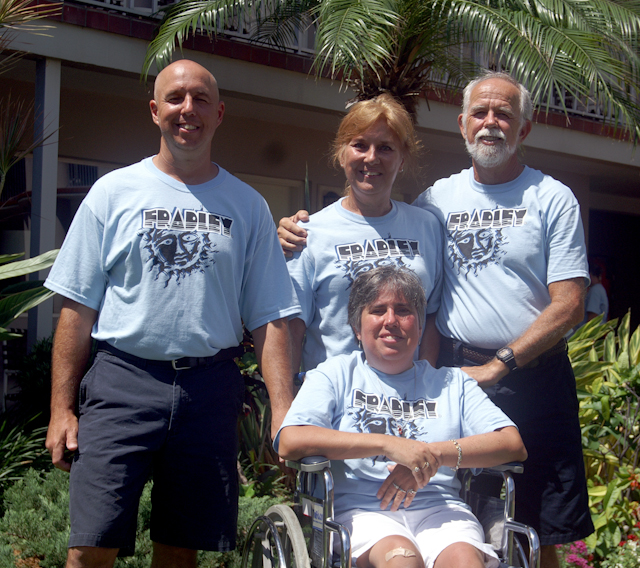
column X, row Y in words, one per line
column 242, row 30
column 236, row 27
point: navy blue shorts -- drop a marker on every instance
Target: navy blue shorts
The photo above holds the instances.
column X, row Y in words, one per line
column 551, row 494
column 180, row 427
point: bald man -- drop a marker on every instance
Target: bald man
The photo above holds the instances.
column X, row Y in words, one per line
column 163, row 263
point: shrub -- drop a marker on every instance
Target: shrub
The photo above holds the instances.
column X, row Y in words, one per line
column 36, row 524
column 20, row 449
column 606, row 363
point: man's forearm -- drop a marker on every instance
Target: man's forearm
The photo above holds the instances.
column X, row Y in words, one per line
column 565, row 310
column 273, row 351
column 71, row 349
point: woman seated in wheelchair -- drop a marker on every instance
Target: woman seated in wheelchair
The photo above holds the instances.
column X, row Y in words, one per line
column 398, row 430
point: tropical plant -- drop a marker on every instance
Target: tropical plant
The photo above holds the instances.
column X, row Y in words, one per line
column 606, row 362
column 15, row 114
column 20, row 447
column 262, row 472
column 21, row 14
column 16, row 298
column 586, row 49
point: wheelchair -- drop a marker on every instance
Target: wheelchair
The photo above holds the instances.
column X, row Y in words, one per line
column 306, row 535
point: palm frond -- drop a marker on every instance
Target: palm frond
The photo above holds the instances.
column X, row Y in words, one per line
column 353, row 35
column 22, row 13
column 188, row 17
column 585, row 49
column 554, row 60
column 281, row 21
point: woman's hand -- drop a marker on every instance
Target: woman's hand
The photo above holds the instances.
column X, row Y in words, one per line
column 420, row 458
column 398, row 487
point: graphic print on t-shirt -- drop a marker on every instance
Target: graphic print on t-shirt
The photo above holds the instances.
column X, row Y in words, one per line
column 355, row 258
column 375, row 414
column 178, row 244
column 476, row 238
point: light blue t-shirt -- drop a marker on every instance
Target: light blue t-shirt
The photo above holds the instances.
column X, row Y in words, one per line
column 423, row 403
column 173, row 269
column 505, row 244
column 341, row 245
column 596, row 302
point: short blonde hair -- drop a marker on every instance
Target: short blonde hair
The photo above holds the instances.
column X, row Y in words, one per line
column 364, row 114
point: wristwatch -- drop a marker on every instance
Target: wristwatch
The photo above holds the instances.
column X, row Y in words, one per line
column 505, row 354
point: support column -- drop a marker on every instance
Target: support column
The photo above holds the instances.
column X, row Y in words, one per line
column 45, row 185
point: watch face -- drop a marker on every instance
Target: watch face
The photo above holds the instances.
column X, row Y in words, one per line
column 504, row 352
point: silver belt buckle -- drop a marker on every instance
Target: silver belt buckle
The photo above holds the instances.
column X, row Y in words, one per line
column 173, row 364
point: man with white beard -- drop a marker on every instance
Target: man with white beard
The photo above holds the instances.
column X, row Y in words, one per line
column 514, row 284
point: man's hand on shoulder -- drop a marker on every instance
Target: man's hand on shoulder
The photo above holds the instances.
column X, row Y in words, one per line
column 488, row 374
column 292, row 237
column 62, row 435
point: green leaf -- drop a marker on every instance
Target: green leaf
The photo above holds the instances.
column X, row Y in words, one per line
column 610, row 353
column 12, row 306
column 623, row 332
column 4, row 258
column 598, row 491
column 22, row 267
column 5, row 334
column 634, row 348
column 20, row 287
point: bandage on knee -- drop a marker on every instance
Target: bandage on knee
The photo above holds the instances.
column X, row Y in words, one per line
column 399, row 552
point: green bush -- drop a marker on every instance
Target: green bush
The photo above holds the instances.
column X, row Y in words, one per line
column 36, row 524
column 21, row 449
column 606, row 363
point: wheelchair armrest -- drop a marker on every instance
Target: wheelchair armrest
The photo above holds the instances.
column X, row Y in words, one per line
column 513, row 467
column 310, row 463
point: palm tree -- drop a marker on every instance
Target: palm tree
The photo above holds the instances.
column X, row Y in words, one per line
column 585, row 49
column 17, row 298
column 15, row 114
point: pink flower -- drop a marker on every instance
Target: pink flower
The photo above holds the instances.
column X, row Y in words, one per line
column 579, row 547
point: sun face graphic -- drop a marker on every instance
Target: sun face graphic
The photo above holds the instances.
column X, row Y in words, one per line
column 353, row 268
column 471, row 250
column 177, row 254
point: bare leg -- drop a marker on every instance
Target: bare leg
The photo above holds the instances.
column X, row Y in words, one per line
column 91, row 557
column 460, row 555
column 548, row 557
column 397, row 549
column 165, row 556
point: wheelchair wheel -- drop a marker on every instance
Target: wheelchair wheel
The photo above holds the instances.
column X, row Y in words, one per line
column 276, row 541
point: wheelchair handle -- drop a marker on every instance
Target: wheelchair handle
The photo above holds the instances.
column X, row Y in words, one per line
column 309, row 464
column 513, row 467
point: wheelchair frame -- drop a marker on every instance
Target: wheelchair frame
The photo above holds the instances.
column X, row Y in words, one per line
column 277, row 539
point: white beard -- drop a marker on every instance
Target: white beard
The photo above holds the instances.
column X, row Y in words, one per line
column 490, row 156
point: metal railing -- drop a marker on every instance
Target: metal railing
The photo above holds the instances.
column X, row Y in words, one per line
column 242, row 29
column 235, row 27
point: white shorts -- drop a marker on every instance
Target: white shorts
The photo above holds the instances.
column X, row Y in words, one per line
column 432, row 530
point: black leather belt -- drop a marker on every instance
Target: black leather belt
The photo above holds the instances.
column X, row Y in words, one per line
column 457, row 351
column 181, row 364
